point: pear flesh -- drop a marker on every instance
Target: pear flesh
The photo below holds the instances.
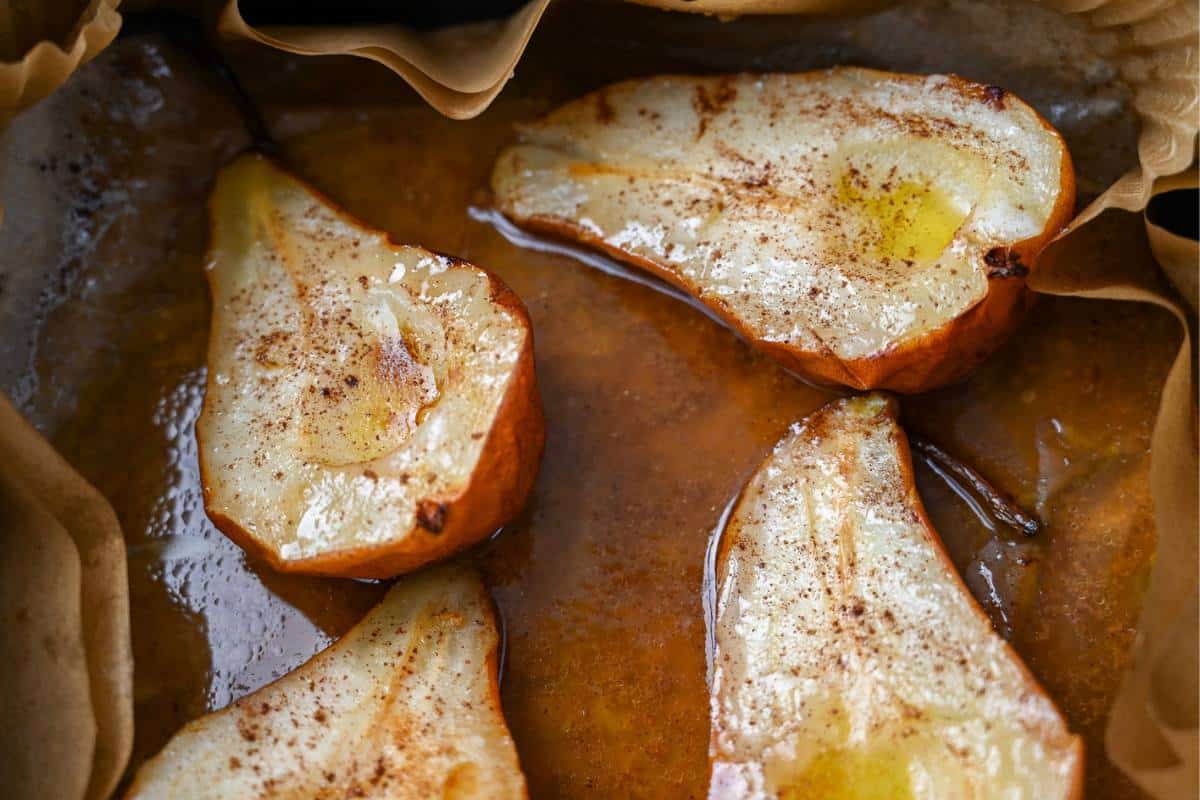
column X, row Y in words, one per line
column 865, row 228
column 850, row 660
column 370, row 407
column 405, row 705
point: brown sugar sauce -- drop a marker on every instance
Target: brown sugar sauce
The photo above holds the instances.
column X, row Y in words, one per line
column 655, row 414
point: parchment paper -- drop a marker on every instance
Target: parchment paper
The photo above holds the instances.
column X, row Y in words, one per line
column 44, row 41
column 1178, row 255
column 45, row 669
column 1155, row 44
column 1153, row 728
column 1152, row 731
column 459, row 70
column 78, row 596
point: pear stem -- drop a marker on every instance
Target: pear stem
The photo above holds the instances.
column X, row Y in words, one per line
column 1001, row 506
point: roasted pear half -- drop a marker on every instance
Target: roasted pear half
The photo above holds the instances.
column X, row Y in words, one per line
column 850, row 661
column 865, row 228
column 405, row 705
column 370, row 407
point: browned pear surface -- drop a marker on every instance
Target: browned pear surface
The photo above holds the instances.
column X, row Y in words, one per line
column 865, row 228
column 405, row 705
column 850, row 660
column 370, row 407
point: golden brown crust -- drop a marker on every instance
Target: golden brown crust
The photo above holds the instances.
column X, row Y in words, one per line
column 937, row 357
column 496, row 491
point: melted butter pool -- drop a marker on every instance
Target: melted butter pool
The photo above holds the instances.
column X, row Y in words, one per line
column 902, row 220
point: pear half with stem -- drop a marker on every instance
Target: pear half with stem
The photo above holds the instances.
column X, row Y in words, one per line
column 370, row 407
column 864, row 228
column 850, row 661
column 405, row 705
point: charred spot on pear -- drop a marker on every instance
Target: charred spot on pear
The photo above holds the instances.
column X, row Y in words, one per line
column 349, row 380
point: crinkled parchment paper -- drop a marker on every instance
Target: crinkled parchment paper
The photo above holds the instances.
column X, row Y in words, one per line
column 458, row 70
column 65, row 617
column 45, row 674
column 44, row 41
column 71, row 546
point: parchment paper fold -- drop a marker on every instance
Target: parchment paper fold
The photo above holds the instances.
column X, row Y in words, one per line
column 43, row 41
column 1178, row 255
column 458, row 70
column 1154, row 43
column 66, row 616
